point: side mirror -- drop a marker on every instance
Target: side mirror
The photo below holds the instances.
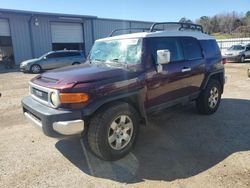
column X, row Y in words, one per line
column 163, row 57
column 44, row 57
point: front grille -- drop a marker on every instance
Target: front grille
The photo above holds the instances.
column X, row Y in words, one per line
column 40, row 94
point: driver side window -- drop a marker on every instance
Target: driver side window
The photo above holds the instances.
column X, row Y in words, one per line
column 53, row 55
column 170, row 43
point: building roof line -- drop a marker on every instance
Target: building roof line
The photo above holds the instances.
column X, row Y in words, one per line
column 27, row 12
column 45, row 13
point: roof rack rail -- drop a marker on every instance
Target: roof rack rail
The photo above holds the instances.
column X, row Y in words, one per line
column 129, row 29
column 182, row 26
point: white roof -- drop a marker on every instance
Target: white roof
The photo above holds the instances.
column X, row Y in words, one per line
column 197, row 35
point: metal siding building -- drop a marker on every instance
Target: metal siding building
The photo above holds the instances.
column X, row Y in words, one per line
column 33, row 33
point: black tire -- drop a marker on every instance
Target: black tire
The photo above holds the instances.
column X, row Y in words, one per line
column 99, row 129
column 35, row 69
column 202, row 103
column 248, row 72
column 242, row 59
column 76, row 63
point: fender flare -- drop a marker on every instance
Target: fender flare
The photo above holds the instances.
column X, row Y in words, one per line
column 139, row 97
column 209, row 75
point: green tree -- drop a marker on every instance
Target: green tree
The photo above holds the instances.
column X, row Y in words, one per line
column 247, row 18
column 205, row 22
column 185, row 20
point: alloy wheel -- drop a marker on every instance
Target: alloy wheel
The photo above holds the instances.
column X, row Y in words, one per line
column 214, row 97
column 120, row 132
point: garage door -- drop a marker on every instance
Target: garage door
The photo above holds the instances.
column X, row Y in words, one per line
column 4, row 27
column 6, row 50
column 66, row 32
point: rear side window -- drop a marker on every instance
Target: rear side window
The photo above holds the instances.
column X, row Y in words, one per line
column 172, row 44
column 62, row 54
column 192, row 49
column 74, row 54
column 210, row 48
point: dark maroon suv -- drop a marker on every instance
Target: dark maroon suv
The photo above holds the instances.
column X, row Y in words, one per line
column 125, row 78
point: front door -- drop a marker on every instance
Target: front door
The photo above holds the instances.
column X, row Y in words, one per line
column 173, row 81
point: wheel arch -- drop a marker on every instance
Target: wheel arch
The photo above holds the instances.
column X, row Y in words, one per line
column 76, row 63
column 135, row 99
column 218, row 75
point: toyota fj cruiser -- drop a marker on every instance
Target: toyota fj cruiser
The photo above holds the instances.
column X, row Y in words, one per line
column 125, row 78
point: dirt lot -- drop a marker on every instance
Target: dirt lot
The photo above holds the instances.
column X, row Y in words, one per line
column 179, row 149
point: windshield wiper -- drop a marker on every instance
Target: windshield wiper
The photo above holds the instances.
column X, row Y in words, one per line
column 116, row 63
column 96, row 61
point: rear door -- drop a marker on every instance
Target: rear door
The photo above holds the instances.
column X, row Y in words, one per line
column 247, row 53
column 194, row 57
column 65, row 59
column 75, row 57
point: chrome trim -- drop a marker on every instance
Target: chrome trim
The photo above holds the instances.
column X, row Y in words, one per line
column 33, row 121
column 69, row 127
column 45, row 89
column 185, row 69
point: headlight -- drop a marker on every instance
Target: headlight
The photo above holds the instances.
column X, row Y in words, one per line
column 54, row 98
column 24, row 63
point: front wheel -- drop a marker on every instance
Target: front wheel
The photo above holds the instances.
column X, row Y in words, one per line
column 113, row 131
column 209, row 99
column 35, row 69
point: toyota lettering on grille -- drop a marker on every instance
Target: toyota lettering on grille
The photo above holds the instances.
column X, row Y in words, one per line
column 38, row 93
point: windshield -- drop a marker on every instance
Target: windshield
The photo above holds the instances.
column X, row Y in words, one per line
column 236, row 47
column 122, row 51
column 44, row 55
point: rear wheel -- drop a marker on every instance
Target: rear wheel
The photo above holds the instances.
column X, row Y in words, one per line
column 242, row 59
column 209, row 100
column 76, row 63
column 112, row 132
column 35, row 69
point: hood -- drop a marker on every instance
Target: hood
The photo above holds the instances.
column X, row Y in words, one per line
column 84, row 73
column 30, row 61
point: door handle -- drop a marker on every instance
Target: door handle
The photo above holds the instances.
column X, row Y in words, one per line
column 186, row 69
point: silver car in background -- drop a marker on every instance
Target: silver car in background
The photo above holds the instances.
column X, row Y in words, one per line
column 52, row 60
column 237, row 53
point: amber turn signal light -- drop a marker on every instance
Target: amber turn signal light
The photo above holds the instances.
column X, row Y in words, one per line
column 73, row 97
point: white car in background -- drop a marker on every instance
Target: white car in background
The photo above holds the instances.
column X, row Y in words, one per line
column 237, row 53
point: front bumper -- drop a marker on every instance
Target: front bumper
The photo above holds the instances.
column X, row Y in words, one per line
column 53, row 122
column 233, row 58
column 24, row 68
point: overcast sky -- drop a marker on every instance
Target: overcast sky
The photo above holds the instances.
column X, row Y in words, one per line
column 154, row 10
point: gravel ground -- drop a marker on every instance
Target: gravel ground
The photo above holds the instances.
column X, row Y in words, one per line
column 180, row 148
